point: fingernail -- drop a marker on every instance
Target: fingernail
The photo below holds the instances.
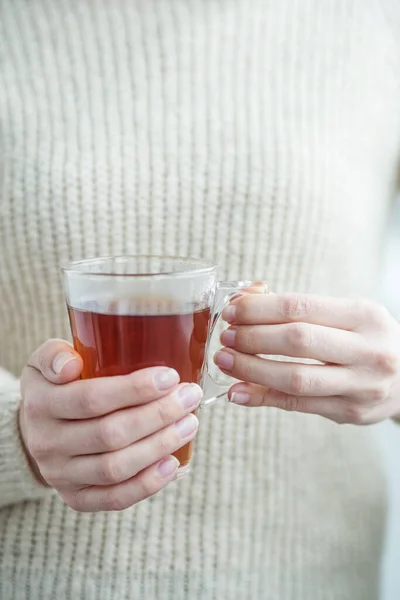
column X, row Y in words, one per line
column 228, row 314
column 263, row 287
column 239, row 398
column 168, row 466
column 166, row 379
column 228, row 338
column 186, row 426
column 224, row 360
column 61, row 360
column 182, row 471
column 189, row 396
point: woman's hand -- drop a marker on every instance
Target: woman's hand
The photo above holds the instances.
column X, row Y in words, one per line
column 106, row 443
column 358, row 342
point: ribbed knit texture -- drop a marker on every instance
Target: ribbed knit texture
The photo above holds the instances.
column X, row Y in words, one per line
column 263, row 134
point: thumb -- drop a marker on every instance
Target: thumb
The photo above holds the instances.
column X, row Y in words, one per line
column 57, row 361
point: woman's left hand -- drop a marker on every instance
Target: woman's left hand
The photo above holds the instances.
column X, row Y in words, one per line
column 357, row 341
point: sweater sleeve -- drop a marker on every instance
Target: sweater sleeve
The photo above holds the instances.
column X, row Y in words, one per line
column 17, row 482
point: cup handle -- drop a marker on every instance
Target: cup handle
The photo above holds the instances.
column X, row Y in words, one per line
column 226, row 291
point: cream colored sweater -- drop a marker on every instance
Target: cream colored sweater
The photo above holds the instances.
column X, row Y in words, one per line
column 264, row 134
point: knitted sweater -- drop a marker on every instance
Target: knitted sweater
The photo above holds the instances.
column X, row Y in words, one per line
column 265, row 135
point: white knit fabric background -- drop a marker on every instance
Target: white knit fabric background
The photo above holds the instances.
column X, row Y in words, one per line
column 388, row 432
column 264, row 135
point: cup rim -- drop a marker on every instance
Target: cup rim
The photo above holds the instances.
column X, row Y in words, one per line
column 205, row 266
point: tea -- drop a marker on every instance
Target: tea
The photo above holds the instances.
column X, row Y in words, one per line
column 117, row 344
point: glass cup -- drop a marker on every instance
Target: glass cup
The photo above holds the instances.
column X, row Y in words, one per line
column 132, row 312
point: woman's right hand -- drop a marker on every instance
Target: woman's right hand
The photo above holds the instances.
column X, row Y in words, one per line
column 104, row 443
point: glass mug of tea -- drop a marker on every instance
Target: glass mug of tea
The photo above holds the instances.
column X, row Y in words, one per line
column 132, row 312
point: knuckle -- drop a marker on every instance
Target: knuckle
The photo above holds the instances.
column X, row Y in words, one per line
column 355, row 414
column 78, row 501
column 264, row 397
column 375, row 313
column 382, row 315
column 299, row 383
column 110, row 433
column 245, row 368
column 294, row 306
column 290, row 403
column 165, row 412
column 136, row 385
column 50, row 475
column 39, row 446
column 70, row 501
column 83, row 501
column 299, row 336
column 387, row 362
column 377, row 393
column 110, row 470
column 363, row 306
column 168, row 444
column 147, row 486
column 31, row 406
column 245, row 309
column 113, row 500
column 89, row 402
column 245, row 337
column 340, row 419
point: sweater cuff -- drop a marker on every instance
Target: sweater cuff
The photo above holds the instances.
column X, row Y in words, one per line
column 17, row 481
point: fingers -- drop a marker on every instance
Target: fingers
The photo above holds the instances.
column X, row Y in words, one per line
column 336, row 408
column 289, row 377
column 57, row 361
column 301, row 340
column 256, row 287
column 115, row 467
column 257, row 395
column 124, row 427
column 99, row 396
column 341, row 313
column 121, row 496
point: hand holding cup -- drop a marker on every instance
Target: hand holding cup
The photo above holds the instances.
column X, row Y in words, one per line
column 103, row 443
